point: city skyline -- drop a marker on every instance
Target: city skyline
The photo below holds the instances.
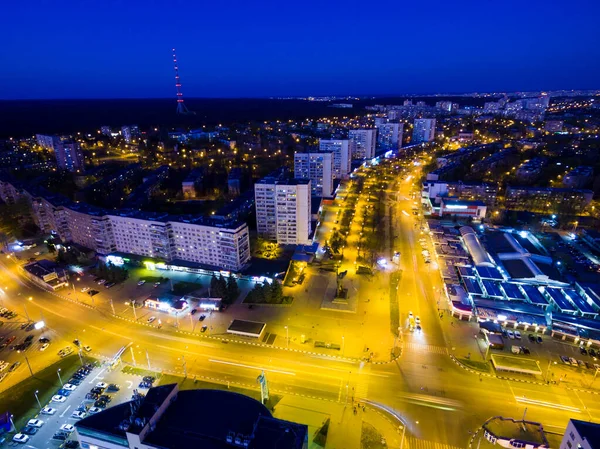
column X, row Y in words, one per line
column 124, row 51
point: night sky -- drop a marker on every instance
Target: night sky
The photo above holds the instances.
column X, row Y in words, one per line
column 122, row 49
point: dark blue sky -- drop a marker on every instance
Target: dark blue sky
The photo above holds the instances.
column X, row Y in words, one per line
column 119, row 49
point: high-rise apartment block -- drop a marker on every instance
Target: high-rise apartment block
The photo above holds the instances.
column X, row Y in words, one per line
column 341, row 156
column 424, row 130
column 362, row 143
column 47, row 142
column 318, row 167
column 283, row 209
column 389, row 136
column 69, row 156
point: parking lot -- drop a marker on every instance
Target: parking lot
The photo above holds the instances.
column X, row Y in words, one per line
column 92, row 389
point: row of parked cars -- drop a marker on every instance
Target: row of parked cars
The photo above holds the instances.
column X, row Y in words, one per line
column 6, row 313
column 65, row 431
column 579, row 363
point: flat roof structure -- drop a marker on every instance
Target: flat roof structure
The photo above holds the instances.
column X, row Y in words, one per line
column 492, row 289
column 579, row 302
column 246, row 328
column 472, row 286
column 512, row 291
column 516, row 364
column 534, row 296
column 466, row 272
column 489, row 273
column 560, row 300
column 516, row 433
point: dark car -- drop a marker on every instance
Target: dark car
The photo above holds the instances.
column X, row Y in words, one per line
column 531, row 338
column 193, row 311
column 106, row 398
column 203, row 329
column 525, row 350
column 61, row 436
column 539, row 339
column 64, row 392
column 76, row 342
column 592, row 352
column 113, row 387
column 29, row 338
column 14, row 366
column 29, row 430
column 44, row 340
column 145, row 385
column 24, row 325
column 202, row 318
column 149, row 379
column 97, row 390
column 583, row 350
column 30, row 327
column 71, row 444
column 74, row 381
column 100, row 404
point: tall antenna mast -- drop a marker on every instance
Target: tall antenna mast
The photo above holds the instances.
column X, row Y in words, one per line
column 181, row 107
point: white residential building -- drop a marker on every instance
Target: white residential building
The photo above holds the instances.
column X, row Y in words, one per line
column 341, row 156
column 581, row 435
column 318, row 167
column 424, row 130
column 362, row 143
column 69, row 156
column 283, row 210
column 191, row 239
column 47, row 142
column 389, row 135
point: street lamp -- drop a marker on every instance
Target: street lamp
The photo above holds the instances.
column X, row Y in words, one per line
column 37, row 399
column 287, row 337
column 343, row 341
column 59, row 378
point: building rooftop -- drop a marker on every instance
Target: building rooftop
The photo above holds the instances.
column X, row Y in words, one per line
column 196, row 418
column 588, row 431
column 522, row 431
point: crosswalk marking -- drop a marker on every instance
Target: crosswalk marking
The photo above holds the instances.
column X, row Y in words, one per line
column 416, row 347
column 415, row 443
column 362, row 385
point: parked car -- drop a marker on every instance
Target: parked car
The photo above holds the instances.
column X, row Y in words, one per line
column 113, row 388
column 592, row 352
column 539, row 339
column 58, row 398
column 202, row 318
column 29, row 430
column 141, row 282
column 151, row 319
column 69, row 387
column 149, row 379
column 94, row 410
column 525, row 350
column 20, row 438
column 510, row 334
column 35, row 423
column 102, row 385
column 110, row 284
column 44, row 346
column 14, row 366
column 565, row 359
column 60, row 436
column 531, row 338
column 87, row 348
column 582, row 350
column 71, row 444
column 69, row 428
column 64, row 392
column 518, row 335
column 92, row 396
column 78, row 415
column 74, row 381
column 48, row 410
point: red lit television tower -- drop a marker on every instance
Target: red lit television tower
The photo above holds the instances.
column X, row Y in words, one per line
column 181, row 107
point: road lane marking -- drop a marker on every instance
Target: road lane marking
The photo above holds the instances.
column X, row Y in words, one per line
column 548, row 404
column 129, row 384
column 252, row 367
column 66, row 410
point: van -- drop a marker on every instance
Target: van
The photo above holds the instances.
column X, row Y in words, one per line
column 515, row 349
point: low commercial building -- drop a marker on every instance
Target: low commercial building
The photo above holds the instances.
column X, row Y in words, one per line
column 511, row 433
column 434, row 191
column 460, row 208
column 581, row 435
column 167, row 418
column 173, row 305
column 47, row 274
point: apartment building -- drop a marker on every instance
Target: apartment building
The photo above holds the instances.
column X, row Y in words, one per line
column 283, row 209
column 362, row 143
column 341, row 156
column 389, row 136
column 547, row 199
column 424, row 130
column 161, row 236
column 318, row 167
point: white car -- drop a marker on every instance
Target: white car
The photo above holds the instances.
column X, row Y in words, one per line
column 48, row 411
column 142, row 282
column 69, row 387
column 44, row 346
column 94, row 410
column 151, row 319
column 87, row 348
column 69, row 428
column 78, row 415
column 510, row 334
column 20, row 438
column 85, row 289
column 101, row 385
column 101, row 281
column 35, row 423
column 518, row 335
column 58, row 398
